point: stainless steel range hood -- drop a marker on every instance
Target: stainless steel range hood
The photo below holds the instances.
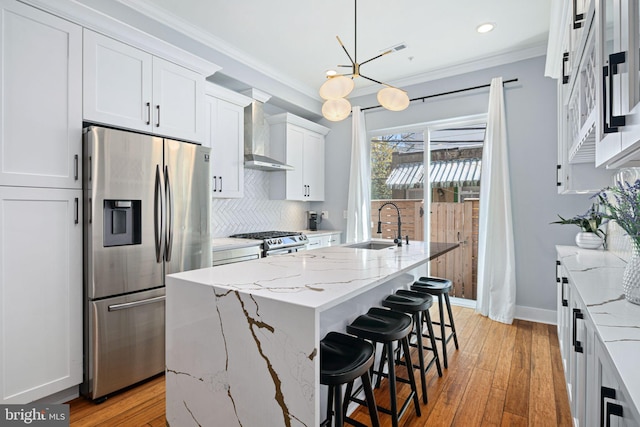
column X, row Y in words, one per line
column 255, row 137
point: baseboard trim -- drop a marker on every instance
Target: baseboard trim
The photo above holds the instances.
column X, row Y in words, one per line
column 531, row 314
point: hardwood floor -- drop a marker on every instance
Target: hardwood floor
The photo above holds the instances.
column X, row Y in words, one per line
column 502, row 375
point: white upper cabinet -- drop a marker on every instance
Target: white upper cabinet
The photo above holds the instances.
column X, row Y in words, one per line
column 129, row 88
column 225, row 136
column 299, row 143
column 41, row 92
column 619, row 56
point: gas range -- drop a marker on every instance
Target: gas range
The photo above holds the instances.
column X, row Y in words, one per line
column 277, row 242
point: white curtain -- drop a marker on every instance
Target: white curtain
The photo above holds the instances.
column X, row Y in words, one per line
column 359, row 204
column 496, row 259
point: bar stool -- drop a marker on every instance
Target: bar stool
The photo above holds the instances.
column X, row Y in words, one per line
column 385, row 326
column 344, row 358
column 440, row 288
column 417, row 304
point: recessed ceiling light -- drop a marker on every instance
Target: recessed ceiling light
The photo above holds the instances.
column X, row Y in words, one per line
column 486, row 27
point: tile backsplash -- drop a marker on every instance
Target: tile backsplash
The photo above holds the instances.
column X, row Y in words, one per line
column 255, row 211
column 617, row 240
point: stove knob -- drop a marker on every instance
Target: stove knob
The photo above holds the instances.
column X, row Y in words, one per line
column 279, row 240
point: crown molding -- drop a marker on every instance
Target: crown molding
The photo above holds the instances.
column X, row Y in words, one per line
column 147, row 8
column 98, row 21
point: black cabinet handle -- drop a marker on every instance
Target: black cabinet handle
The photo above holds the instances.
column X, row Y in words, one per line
column 577, row 345
column 565, row 61
column 557, row 276
column 605, row 393
column 558, row 181
column 221, row 184
column 158, row 123
column 215, row 184
column 577, row 17
column 611, row 123
column 75, row 166
column 565, row 302
column 613, row 409
column 148, row 113
column 77, row 216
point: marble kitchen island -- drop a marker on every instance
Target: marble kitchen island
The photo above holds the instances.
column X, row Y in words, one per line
column 242, row 339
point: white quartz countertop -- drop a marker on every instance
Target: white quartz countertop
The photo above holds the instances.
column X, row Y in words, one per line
column 597, row 275
column 318, row 279
column 225, row 243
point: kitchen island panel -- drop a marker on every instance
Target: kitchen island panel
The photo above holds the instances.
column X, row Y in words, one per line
column 238, row 359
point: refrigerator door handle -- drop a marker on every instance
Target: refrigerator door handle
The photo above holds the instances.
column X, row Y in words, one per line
column 157, row 215
column 123, row 306
column 169, row 197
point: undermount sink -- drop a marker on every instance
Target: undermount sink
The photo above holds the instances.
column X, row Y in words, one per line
column 372, row 245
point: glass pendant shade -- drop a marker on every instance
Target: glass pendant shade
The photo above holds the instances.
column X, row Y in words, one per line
column 336, row 87
column 393, row 99
column 336, row 109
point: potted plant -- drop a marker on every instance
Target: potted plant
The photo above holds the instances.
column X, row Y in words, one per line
column 591, row 237
column 622, row 203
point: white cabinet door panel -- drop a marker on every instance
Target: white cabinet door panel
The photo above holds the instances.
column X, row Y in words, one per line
column 178, row 101
column 40, row 292
column 226, row 139
column 41, row 109
column 117, row 83
column 295, row 186
column 314, row 166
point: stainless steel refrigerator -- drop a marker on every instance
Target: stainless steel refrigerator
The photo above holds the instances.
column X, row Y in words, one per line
column 147, row 207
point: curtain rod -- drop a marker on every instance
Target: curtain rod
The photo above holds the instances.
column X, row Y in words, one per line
column 422, row 98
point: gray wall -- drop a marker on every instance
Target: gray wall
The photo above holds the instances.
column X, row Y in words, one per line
column 532, row 142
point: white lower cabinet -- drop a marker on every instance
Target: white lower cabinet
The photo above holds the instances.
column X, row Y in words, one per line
column 596, row 397
column 40, row 292
column 612, row 406
column 323, row 240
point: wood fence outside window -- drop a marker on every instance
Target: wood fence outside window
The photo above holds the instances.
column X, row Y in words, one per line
column 450, row 222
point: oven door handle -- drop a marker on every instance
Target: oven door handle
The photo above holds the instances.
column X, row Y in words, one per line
column 285, row 250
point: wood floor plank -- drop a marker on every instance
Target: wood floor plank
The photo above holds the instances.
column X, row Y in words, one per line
column 488, row 357
column 471, row 409
column 503, row 366
column 445, row 407
column 512, row 420
column 492, row 416
column 542, row 402
column 563, row 411
column 517, row 401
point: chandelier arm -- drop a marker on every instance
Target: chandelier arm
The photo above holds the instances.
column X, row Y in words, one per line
column 376, row 57
column 374, row 80
column 346, row 51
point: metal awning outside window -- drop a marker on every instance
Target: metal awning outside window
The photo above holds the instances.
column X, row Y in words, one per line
column 451, row 173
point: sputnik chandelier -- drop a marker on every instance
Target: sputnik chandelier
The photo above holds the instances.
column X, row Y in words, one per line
column 334, row 91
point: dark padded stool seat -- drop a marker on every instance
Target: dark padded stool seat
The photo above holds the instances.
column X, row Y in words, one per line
column 417, row 304
column 386, row 326
column 440, row 287
column 344, row 358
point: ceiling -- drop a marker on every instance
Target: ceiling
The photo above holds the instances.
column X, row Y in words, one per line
column 294, row 42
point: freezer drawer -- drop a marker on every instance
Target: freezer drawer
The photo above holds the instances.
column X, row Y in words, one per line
column 127, row 342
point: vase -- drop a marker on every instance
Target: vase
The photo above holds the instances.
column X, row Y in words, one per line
column 587, row 240
column 631, row 278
